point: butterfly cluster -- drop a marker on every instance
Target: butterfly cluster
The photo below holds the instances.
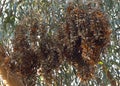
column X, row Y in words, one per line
column 79, row 41
column 86, row 35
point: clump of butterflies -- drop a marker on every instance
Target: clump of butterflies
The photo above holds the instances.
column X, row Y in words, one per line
column 79, row 41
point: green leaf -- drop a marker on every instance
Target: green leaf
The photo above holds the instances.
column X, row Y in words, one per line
column 100, row 63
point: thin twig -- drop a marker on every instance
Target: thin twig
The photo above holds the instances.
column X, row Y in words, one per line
column 1, row 9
